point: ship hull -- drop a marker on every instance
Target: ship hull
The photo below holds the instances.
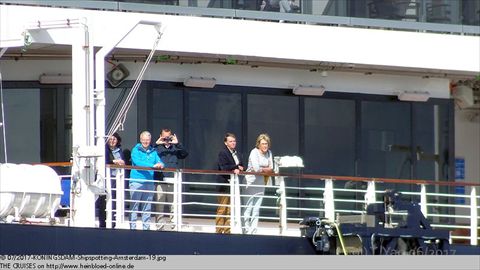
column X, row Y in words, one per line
column 33, row 239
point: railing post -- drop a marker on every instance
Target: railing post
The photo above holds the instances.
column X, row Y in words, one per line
column 232, row 204
column 238, row 205
column 177, row 201
column 120, row 200
column 71, row 195
column 423, row 200
column 473, row 217
column 108, row 185
column 235, row 210
column 370, row 195
column 282, row 205
column 328, row 200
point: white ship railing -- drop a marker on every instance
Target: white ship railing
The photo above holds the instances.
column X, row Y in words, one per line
column 293, row 197
column 320, row 196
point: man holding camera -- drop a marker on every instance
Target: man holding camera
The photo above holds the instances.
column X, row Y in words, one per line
column 170, row 150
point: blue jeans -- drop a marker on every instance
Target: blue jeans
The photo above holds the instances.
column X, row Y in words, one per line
column 139, row 196
column 251, row 213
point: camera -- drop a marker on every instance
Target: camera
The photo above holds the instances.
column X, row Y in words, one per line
column 167, row 139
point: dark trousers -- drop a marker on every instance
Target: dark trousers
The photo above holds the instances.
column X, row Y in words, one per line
column 101, row 205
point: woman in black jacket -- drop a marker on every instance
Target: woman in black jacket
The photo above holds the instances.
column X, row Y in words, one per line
column 113, row 155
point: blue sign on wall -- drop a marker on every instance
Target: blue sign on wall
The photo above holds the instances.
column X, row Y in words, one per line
column 460, row 176
column 459, row 169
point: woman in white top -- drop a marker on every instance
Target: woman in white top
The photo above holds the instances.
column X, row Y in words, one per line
column 261, row 161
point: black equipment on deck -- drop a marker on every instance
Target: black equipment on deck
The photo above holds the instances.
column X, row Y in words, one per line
column 388, row 228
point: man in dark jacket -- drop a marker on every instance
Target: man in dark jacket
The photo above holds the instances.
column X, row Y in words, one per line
column 228, row 160
column 170, row 150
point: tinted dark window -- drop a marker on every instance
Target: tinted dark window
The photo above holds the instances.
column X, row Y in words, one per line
column 167, row 112
column 277, row 116
column 386, row 143
column 210, row 116
column 329, row 136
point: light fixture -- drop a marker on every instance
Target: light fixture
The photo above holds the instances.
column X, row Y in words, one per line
column 414, row 96
column 55, row 79
column 200, row 82
column 117, row 75
column 309, row 90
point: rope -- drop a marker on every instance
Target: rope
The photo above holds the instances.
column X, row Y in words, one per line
column 116, row 106
column 120, row 120
column 340, row 237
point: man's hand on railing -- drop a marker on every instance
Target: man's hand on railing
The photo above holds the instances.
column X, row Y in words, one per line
column 158, row 166
column 237, row 171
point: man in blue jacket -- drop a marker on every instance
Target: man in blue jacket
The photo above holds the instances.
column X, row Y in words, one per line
column 141, row 181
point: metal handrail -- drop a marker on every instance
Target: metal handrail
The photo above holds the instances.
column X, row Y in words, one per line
column 304, row 176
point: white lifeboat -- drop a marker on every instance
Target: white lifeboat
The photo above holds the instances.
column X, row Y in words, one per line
column 29, row 191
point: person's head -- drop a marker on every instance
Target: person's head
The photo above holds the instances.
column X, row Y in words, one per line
column 165, row 133
column 114, row 141
column 165, row 136
column 145, row 139
column 263, row 142
column 230, row 141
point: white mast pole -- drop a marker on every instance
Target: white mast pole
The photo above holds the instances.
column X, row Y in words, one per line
column 83, row 169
